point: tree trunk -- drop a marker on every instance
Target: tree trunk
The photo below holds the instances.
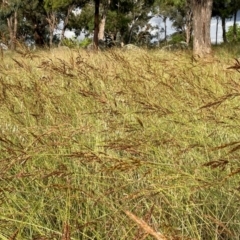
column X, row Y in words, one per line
column 51, row 18
column 188, row 25
column 202, row 11
column 165, row 28
column 96, row 24
column 38, row 35
column 217, row 30
column 130, row 34
column 65, row 22
column 235, row 26
column 188, row 35
column 224, row 29
column 102, row 23
column 12, row 28
column 102, row 26
column 188, row 22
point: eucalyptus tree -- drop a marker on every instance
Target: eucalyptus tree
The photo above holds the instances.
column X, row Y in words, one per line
column 179, row 12
column 65, row 10
column 136, row 12
column 119, row 23
column 222, row 9
column 9, row 11
column 201, row 11
column 64, row 14
column 183, row 19
column 3, row 31
column 164, row 10
column 96, row 23
column 119, row 17
column 51, row 7
column 83, row 21
column 57, row 10
column 139, row 15
column 100, row 20
column 34, row 23
column 103, row 12
column 132, row 16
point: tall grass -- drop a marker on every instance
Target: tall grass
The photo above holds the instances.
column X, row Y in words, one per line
column 119, row 145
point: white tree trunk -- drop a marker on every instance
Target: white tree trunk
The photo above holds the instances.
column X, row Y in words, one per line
column 188, row 24
column 102, row 20
column 52, row 22
column 102, row 27
column 12, row 23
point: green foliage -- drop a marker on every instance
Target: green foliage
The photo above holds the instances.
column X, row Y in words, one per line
column 230, row 35
column 3, row 31
column 222, row 8
column 70, row 42
column 75, row 43
column 177, row 3
column 177, row 16
column 117, row 21
column 123, row 14
column 53, row 5
column 82, row 21
column 85, row 42
column 7, row 9
column 123, row 6
column 176, row 38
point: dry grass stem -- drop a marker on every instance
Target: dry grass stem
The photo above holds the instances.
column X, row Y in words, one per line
column 142, row 224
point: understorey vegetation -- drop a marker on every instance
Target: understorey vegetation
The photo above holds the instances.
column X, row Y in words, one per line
column 119, row 145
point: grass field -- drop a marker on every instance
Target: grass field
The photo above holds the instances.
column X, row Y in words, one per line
column 119, row 145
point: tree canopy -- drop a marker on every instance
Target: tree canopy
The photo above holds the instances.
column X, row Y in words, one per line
column 38, row 20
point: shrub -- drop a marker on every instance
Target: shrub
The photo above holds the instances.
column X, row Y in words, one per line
column 85, row 42
column 70, row 42
column 230, row 35
column 74, row 42
column 176, row 38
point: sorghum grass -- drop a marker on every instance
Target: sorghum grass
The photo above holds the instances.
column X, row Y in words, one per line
column 119, row 145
